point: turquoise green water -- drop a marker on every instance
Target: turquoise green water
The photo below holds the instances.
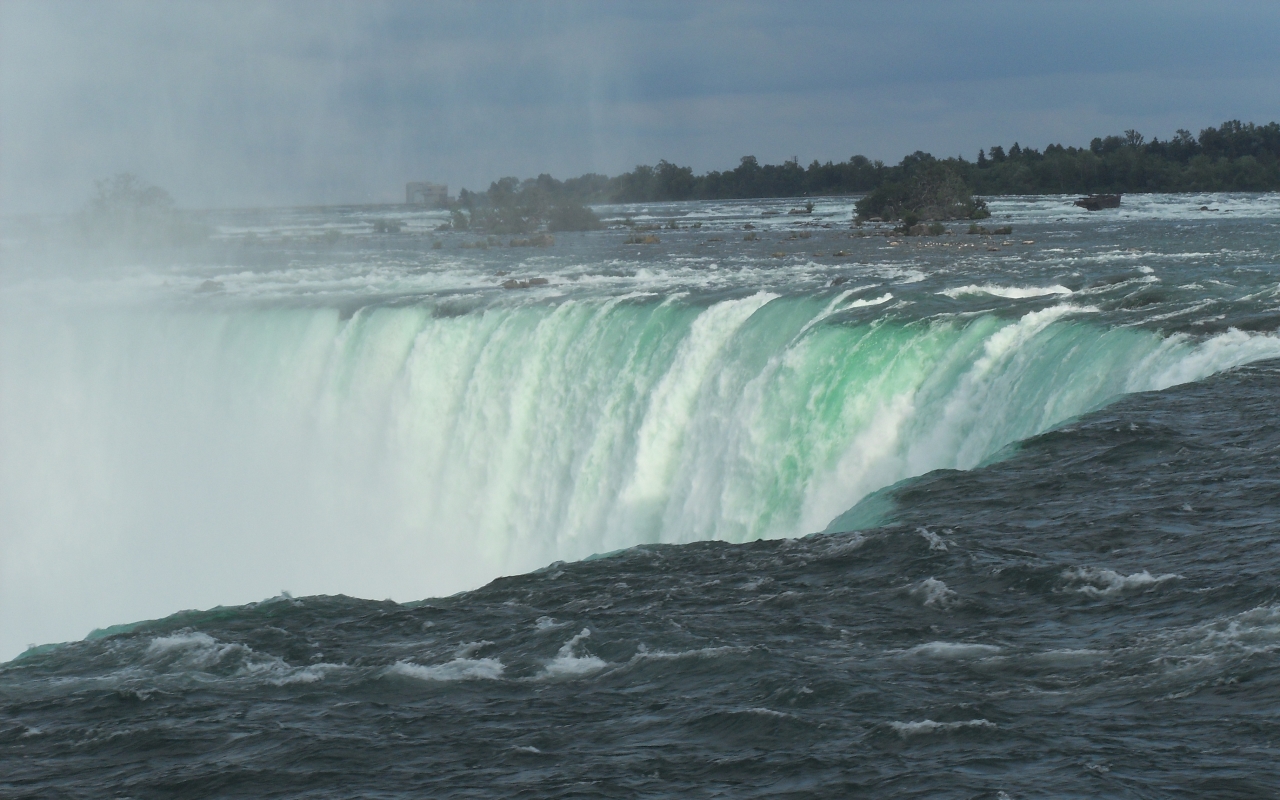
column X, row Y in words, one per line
column 400, row 452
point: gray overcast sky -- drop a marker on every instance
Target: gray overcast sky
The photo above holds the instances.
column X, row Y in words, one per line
column 246, row 103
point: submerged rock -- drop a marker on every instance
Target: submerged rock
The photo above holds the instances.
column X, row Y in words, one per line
column 1097, row 202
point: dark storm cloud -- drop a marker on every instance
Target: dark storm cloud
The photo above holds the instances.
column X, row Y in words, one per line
column 241, row 103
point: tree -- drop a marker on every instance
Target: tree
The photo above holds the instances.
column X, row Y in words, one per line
column 932, row 190
column 512, row 206
column 673, row 182
column 125, row 210
column 126, row 193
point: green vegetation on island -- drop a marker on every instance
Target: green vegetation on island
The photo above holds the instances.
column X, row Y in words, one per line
column 512, row 206
column 930, row 190
column 1236, row 156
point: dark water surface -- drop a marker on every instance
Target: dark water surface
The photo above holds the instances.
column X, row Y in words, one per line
column 1097, row 615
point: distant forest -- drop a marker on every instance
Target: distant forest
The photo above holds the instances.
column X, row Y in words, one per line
column 1235, row 156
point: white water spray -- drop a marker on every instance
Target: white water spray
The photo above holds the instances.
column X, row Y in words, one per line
column 152, row 461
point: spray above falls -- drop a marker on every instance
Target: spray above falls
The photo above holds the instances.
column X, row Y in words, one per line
column 374, row 424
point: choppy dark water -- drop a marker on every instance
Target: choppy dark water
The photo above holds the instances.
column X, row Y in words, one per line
column 1096, row 616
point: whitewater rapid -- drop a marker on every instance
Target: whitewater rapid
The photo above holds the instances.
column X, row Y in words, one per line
column 158, row 454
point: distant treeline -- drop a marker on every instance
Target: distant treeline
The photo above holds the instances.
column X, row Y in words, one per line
column 1233, row 157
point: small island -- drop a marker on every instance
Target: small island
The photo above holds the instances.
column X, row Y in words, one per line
column 512, row 206
column 930, row 192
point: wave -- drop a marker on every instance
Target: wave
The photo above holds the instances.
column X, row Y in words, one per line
column 459, row 669
column 1105, row 582
column 1008, row 292
column 165, row 460
column 928, row 726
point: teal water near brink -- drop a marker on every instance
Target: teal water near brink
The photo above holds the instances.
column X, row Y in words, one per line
column 306, row 404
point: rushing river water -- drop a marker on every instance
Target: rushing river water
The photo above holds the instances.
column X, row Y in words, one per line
column 1044, row 464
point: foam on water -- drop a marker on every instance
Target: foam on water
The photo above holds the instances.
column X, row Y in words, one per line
column 186, row 657
column 953, row 650
column 1105, row 582
column 928, row 726
column 643, row 653
column 459, row 669
column 1013, row 292
column 1248, row 633
column 935, row 541
column 874, row 301
column 567, row 664
column 934, row 593
column 1033, row 208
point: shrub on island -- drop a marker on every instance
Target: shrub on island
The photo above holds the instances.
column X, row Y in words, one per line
column 931, row 191
column 127, row 212
column 514, row 207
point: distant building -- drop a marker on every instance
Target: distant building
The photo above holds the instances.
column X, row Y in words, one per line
column 432, row 195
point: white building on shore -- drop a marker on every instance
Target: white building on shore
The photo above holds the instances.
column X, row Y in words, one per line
column 431, row 195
